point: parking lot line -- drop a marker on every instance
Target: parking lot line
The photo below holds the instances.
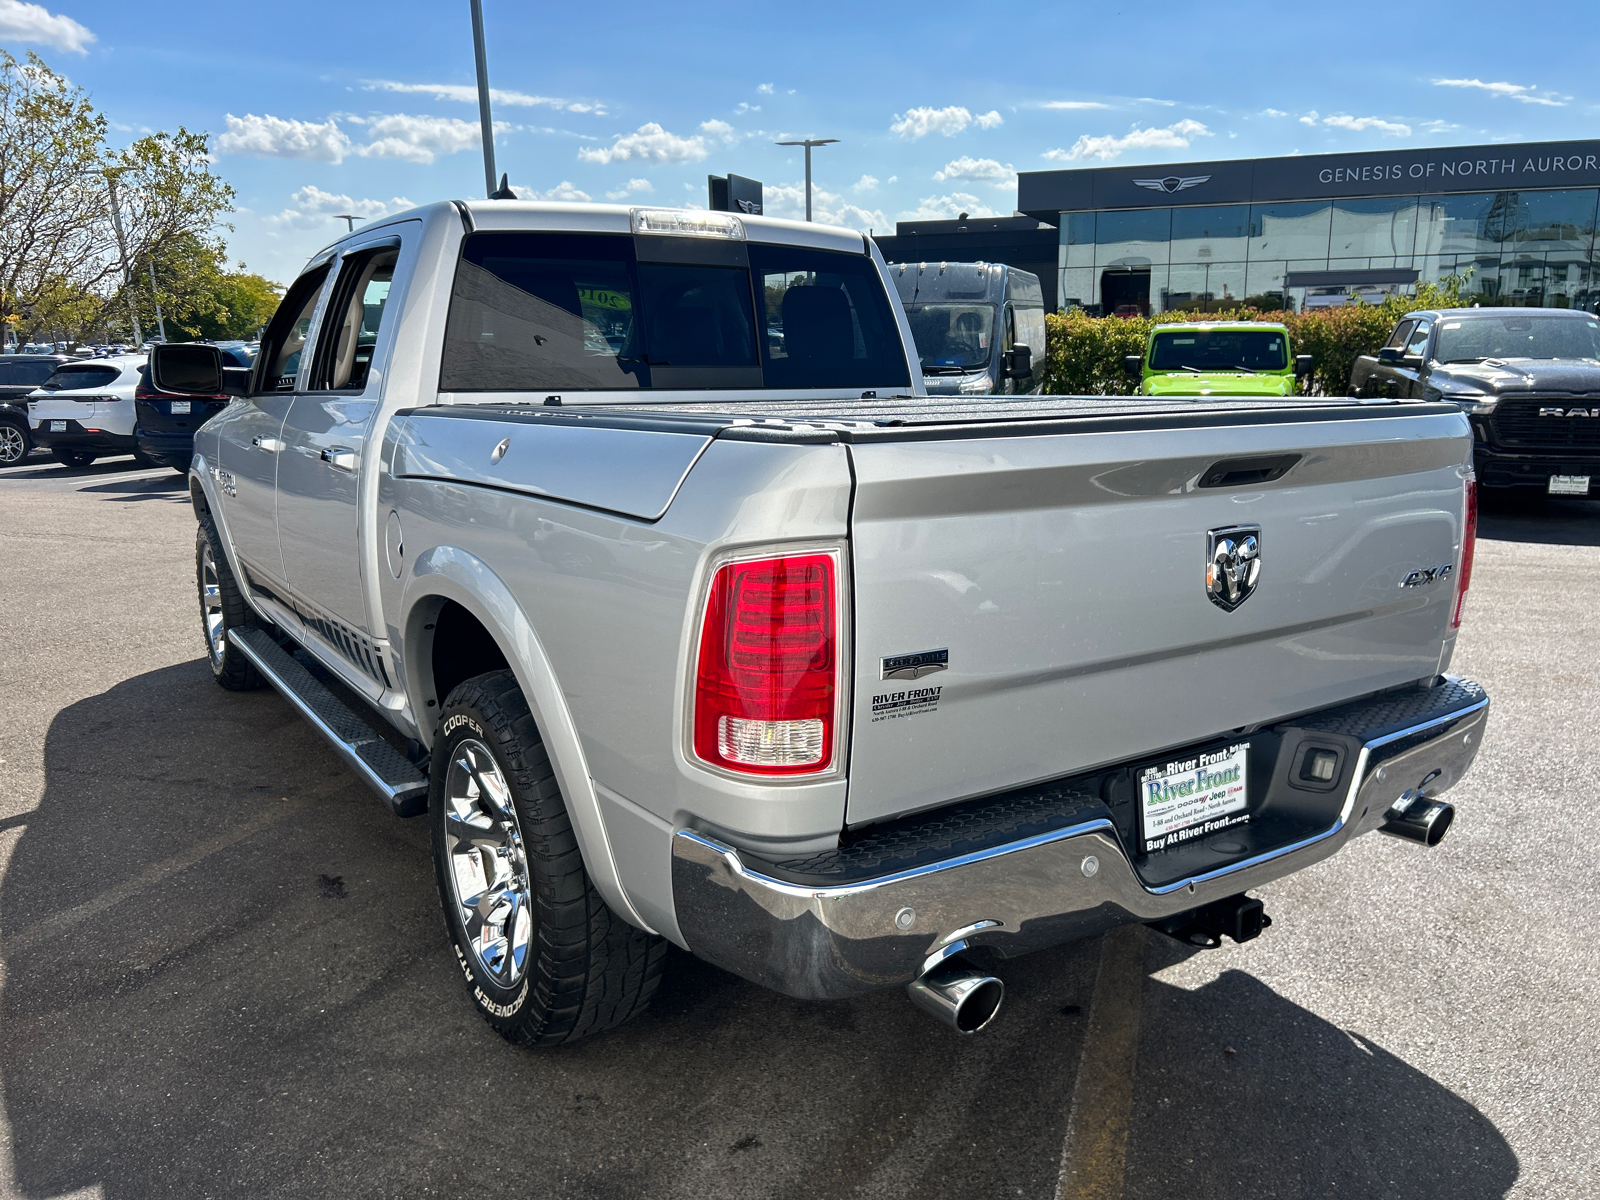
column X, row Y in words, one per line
column 1096, row 1147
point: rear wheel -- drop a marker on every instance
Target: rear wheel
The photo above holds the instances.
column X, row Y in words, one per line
column 14, row 443
column 545, row 958
column 222, row 607
column 143, row 459
column 72, row 458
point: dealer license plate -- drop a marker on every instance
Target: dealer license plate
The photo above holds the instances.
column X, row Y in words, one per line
column 1179, row 801
column 58, row 426
column 1569, row 485
column 179, row 407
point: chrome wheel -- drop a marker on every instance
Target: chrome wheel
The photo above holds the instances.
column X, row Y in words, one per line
column 488, row 864
column 13, row 445
column 211, row 608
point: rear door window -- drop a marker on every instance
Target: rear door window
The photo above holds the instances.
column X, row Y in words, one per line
column 828, row 321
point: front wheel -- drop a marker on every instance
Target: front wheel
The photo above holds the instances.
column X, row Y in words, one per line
column 545, row 959
column 222, row 607
column 14, row 443
column 72, row 458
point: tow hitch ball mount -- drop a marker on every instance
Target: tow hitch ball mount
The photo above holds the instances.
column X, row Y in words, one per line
column 1238, row 917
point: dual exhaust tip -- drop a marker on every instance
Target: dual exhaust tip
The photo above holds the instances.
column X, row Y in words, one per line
column 1419, row 820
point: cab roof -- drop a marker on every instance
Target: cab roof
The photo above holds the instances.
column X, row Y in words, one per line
column 1212, row 325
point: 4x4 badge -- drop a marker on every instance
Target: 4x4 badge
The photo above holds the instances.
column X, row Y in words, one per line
column 1233, row 564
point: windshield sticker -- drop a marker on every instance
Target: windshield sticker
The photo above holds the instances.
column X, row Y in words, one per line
column 1453, row 325
column 887, row 706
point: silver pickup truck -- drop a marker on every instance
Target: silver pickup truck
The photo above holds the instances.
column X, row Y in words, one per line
column 624, row 546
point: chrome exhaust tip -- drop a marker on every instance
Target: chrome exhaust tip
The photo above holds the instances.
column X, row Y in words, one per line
column 960, row 995
column 1422, row 820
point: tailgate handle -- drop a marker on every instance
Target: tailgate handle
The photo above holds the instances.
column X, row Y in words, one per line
column 1241, row 472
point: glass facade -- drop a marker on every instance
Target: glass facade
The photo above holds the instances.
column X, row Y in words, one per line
column 1533, row 248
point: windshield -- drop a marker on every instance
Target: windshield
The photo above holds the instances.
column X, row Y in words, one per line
column 952, row 336
column 1520, row 336
column 80, row 378
column 1220, row 350
column 560, row 311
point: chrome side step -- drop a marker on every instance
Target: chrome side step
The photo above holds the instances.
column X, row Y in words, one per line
column 379, row 765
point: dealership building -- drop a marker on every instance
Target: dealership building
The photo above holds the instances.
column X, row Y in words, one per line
column 1517, row 220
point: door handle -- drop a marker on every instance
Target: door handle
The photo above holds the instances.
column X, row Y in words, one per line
column 270, row 444
column 340, row 458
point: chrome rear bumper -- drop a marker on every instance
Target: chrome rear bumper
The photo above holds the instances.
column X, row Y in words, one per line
column 831, row 941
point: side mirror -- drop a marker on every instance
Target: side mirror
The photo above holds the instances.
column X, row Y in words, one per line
column 187, row 369
column 1021, row 365
column 1392, row 354
column 1303, row 365
column 1133, row 365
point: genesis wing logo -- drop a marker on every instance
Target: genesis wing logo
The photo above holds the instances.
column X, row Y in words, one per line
column 1172, row 183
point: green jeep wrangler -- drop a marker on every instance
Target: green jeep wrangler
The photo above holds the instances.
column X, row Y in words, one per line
column 1234, row 358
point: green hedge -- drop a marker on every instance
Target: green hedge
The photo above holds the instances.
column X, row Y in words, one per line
column 1083, row 354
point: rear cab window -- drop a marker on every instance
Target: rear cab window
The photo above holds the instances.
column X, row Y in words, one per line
column 560, row 312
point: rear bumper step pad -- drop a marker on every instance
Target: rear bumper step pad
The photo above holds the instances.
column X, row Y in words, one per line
column 379, row 765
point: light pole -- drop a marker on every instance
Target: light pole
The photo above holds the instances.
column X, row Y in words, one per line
column 483, row 98
column 807, row 143
column 349, row 219
column 122, row 248
column 161, row 322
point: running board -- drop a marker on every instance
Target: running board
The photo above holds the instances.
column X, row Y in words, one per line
column 380, row 765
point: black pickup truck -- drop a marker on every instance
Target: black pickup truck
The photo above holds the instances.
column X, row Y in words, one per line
column 1527, row 378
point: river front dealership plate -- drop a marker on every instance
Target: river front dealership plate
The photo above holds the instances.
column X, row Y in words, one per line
column 1193, row 796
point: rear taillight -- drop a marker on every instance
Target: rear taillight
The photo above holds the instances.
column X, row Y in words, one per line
column 1469, row 544
column 768, row 675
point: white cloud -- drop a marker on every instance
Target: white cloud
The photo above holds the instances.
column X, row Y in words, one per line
column 1515, row 91
column 765, row 89
column 919, row 122
column 866, row 183
column 977, row 170
column 1074, row 104
column 1273, row 112
column 1153, row 100
column 1439, row 126
column 942, row 208
column 1357, row 124
column 421, row 139
column 468, row 94
column 651, row 143
column 989, row 120
column 894, row 179
column 746, row 106
column 827, row 208
column 36, row 24
column 311, row 208
column 1108, row 146
column 633, row 187
column 565, row 190
column 276, row 137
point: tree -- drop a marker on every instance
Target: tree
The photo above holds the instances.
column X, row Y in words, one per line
column 63, row 259
column 199, row 296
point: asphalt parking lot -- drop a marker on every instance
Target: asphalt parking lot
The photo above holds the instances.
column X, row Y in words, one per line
column 224, row 970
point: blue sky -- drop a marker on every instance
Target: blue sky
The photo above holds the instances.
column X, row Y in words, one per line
column 321, row 108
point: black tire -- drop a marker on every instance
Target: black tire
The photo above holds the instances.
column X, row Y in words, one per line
column 583, row 969
column 72, row 458
column 144, row 460
column 222, row 610
column 15, row 443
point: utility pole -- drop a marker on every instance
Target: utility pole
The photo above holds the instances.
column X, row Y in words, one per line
column 161, row 322
column 807, row 143
column 122, row 247
column 483, row 98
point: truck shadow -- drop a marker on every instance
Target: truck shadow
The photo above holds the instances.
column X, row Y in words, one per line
column 1525, row 515
column 225, row 974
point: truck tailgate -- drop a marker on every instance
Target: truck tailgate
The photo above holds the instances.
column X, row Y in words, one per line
column 1064, row 577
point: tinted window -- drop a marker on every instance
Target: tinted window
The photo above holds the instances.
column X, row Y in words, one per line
column 828, row 320
column 77, row 378
column 1419, row 338
column 1220, row 350
column 573, row 312
column 26, row 374
column 1474, row 338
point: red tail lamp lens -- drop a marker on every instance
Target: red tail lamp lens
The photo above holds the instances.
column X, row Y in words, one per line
column 768, row 671
column 1469, row 546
